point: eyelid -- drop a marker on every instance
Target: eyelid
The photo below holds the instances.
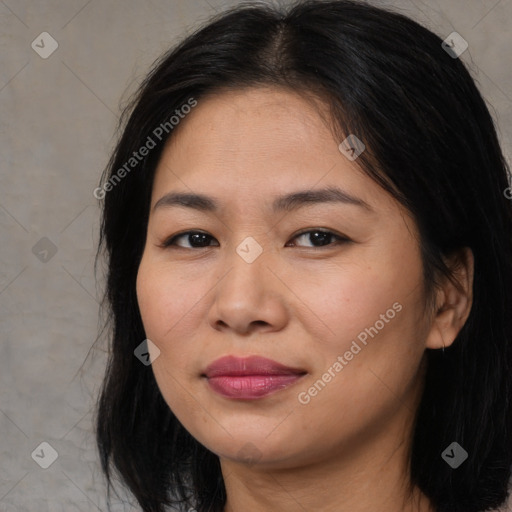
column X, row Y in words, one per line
column 340, row 238
column 169, row 242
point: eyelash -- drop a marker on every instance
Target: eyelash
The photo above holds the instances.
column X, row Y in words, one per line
column 170, row 242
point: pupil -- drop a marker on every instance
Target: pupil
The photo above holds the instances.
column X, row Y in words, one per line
column 319, row 235
column 197, row 235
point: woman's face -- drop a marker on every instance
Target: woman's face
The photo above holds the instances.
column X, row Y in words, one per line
column 348, row 313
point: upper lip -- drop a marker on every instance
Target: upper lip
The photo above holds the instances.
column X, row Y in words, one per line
column 253, row 365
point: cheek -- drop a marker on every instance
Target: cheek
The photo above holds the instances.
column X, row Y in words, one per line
column 172, row 310
column 163, row 310
column 380, row 357
column 163, row 298
column 158, row 307
column 371, row 313
column 344, row 300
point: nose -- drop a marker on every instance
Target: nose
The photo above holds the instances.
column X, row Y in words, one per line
column 250, row 296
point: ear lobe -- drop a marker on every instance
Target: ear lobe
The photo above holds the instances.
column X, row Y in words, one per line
column 453, row 301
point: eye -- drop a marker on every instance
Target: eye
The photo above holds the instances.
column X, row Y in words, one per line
column 321, row 237
column 198, row 239
column 193, row 237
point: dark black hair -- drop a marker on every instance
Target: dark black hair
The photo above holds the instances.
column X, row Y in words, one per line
column 430, row 142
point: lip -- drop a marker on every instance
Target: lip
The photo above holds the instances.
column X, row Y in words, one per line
column 251, row 377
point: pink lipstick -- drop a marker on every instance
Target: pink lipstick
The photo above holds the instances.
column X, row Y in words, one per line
column 249, row 378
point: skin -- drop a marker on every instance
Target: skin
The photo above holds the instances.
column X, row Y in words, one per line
column 299, row 303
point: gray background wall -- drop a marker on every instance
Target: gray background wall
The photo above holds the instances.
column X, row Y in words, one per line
column 57, row 124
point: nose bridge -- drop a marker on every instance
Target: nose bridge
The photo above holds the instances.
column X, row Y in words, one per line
column 246, row 295
column 248, row 263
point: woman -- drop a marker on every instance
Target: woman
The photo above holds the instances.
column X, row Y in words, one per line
column 309, row 272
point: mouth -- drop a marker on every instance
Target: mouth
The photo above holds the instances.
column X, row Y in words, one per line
column 250, row 378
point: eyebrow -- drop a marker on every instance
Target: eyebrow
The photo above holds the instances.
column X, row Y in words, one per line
column 289, row 202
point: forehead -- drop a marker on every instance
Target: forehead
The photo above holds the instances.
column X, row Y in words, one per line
column 242, row 122
column 255, row 143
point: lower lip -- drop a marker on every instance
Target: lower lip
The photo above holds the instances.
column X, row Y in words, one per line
column 250, row 387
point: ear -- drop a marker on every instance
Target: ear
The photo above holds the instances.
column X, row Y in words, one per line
column 453, row 303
